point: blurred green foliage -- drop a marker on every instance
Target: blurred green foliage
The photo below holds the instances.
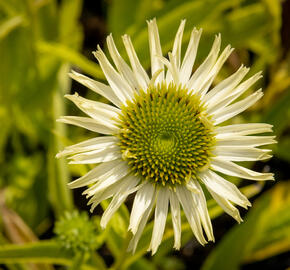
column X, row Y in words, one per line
column 40, row 41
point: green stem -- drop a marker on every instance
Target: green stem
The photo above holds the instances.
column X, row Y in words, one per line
column 123, row 255
column 78, row 261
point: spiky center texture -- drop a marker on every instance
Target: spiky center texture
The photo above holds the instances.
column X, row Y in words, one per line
column 165, row 136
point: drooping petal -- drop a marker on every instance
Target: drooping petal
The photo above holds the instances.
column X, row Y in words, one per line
column 223, row 188
column 189, row 206
column 136, row 237
column 142, row 200
column 99, row 172
column 200, row 202
column 230, row 168
column 246, row 141
column 161, row 212
column 176, row 220
column 127, row 187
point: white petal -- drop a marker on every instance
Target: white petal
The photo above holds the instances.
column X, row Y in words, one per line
column 126, row 188
column 216, row 102
column 190, row 55
column 142, row 200
column 136, row 237
column 189, row 206
column 242, row 129
column 100, row 111
column 176, row 50
column 236, row 108
column 155, row 50
column 200, row 76
column 100, row 88
column 202, row 89
column 97, row 173
column 200, row 201
column 111, row 177
column 120, row 86
column 226, row 206
column 176, row 220
column 89, row 145
column 222, row 90
column 233, row 169
column 250, row 141
column 223, row 188
column 121, row 65
column 90, row 124
column 161, row 212
column 140, row 73
column 97, row 156
column 239, row 153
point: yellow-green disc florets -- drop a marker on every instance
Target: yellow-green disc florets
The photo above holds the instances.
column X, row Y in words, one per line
column 165, row 135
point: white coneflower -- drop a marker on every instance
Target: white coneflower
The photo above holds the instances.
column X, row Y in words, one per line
column 162, row 137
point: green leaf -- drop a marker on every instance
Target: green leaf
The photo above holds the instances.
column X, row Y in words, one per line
column 9, row 25
column 39, row 252
column 64, row 53
column 265, row 233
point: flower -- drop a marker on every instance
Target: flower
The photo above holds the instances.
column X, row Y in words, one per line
column 162, row 139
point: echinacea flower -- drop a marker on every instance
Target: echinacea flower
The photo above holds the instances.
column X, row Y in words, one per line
column 162, row 138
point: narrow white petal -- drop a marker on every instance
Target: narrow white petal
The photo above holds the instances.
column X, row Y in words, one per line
column 128, row 185
column 114, row 189
column 136, row 237
column 97, row 156
column 155, row 50
column 89, row 145
column 142, row 200
column 221, row 90
column 250, row 141
column 226, row 206
column 172, row 68
column 224, row 188
column 189, row 206
column 242, row 129
column 200, row 76
column 96, row 173
column 120, row 86
column 176, row 50
column 230, row 168
column 140, row 73
column 239, row 153
column 200, row 201
column 108, row 179
column 121, row 65
column 202, row 89
column 219, row 101
column 90, row 124
column 236, row 108
column 100, row 88
column 190, row 55
column 161, row 212
column 98, row 110
column 176, row 220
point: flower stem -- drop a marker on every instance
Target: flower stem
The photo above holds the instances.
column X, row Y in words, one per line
column 78, row 261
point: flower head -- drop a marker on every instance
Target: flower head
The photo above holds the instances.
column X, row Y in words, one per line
column 162, row 136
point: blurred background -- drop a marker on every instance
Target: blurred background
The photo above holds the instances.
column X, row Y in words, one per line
column 40, row 42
